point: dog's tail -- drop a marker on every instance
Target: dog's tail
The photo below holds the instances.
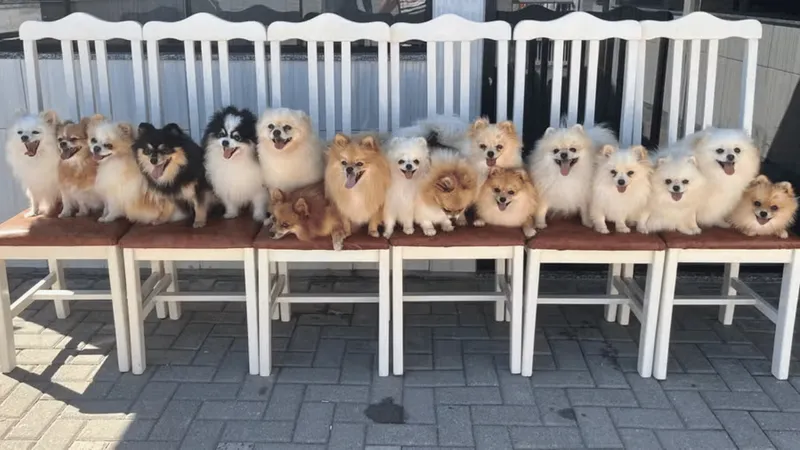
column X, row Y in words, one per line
column 439, row 131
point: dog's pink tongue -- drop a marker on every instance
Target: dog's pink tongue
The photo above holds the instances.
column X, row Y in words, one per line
column 351, row 180
column 677, row 196
column 565, row 167
column 409, row 174
column 31, row 147
column 502, row 206
column 491, row 162
column 280, row 144
column 729, row 168
column 158, row 170
column 621, row 189
column 762, row 220
column 228, row 152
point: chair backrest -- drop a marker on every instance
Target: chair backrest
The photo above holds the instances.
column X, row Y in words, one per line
column 697, row 27
column 83, row 28
column 203, row 28
column 577, row 27
column 448, row 29
column 330, row 29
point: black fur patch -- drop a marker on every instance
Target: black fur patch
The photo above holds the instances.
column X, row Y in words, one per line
column 246, row 127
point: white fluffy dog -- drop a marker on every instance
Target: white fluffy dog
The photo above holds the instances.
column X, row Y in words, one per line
column 678, row 192
column 32, row 152
column 561, row 166
column 729, row 160
column 620, row 188
column 410, row 160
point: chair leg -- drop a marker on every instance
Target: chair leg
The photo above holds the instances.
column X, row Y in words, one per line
column 286, row 308
column 161, row 308
column 397, row 310
column 273, row 269
column 119, row 305
column 499, row 305
column 515, row 340
column 650, row 314
column 8, row 356
column 787, row 310
column 624, row 317
column 62, row 306
column 614, row 270
column 174, row 307
column 726, row 311
column 529, row 323
column 264, row 313
column 135, row 314
column 384, row 312
column 251, row 306
column 661, row 353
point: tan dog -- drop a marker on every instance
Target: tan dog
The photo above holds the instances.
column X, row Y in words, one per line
column 508, row 199
column 766, row 208
column 446, row 192
column 307, row 214
column 494, row 145
column 77, row 170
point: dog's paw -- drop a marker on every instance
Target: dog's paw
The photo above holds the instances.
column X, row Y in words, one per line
column 429, row 231
column 478, row 223
column 31, row 213
column 83, row 213
column 529, row 232
column 461, row 221
column 723, row 224
column 65, row 214
column 642, row 229
column 601, row 230
column 199, row 224
column 235, row 214
column 258, row 217
column 541, row 225
column 783, row 234
column 104, row 219
column 387, row 234
column 338, row 244
column 408, row 230
column 623, row 229
column 696, row 230
column 374, row 233
column 448, row 227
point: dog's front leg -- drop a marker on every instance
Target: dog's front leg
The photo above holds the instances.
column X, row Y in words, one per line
column 599, row 220
column 427, row 228
column 374, row 222
column 541, row 215
column 68, row 205
column 528, row 228
column 33, row 210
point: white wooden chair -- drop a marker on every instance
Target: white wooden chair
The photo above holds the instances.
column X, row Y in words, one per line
column 274, row 256
column 193, row 244
column 717, row 245
column 58, row 240
column 507, row 247
column 568, row 242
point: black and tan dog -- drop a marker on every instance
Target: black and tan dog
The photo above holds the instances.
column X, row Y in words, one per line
column 173, row 166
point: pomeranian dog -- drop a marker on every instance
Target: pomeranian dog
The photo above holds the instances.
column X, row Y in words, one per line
column 32, row 153
column 678, row 190
column 290, row 153
column 507, row 199
column 119, row 180
column 356, row 180
column 449, row 189
column 172, row 164
column 621, row 187
column 766, row 208
column 440, row 131
column 307, row 214
column 231, row 162
column 410, row 160
column 561, row 165
column 494, row 145
column 729, row 160
column 77, row 170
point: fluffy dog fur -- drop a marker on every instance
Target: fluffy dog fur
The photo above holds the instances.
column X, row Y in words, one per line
column 766, row 208
column 493, row 145
column 232, row 164
column 678, row 191
column 307, row 214
column 729, row 160
column 620, row 188
column 449, row 189
column 441, row 131
column 561, row 166
column 410, row 160
column 77, row 170
column 120, row 182
column 172, row 164
column 32, row 153
column 508, row 199
column 356, row 180
column 290, row 153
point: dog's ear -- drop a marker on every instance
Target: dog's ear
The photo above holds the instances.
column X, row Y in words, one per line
column 608, row 150
column 305, row 118
column 786, row 187
column 145, row 128
column 421, row 141
column 640, row 152
column 507, row 127
column 50, row 117
column 761, row 179
column 301, row 207
column 467, row 180
column 445, row 184
column 692, row 160
column 494, row 171
column 660, row 162
column 479, row 124
column 341, row 140
column 523, row 175
column 126, row 129
column 549, row 131
column 369, row 143
column 276, row 196
column 173, row 129
column 578, row 128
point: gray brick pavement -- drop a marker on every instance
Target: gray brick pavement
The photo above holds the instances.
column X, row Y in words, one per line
column 457, row 392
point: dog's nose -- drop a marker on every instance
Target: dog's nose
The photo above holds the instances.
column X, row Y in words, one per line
column 490, row 154
column 622, row 183
column 763, row 214
column 676, row 188
column 226, row 143
column 409, row 167
column 564, row 155
column 153, row 161
column 349, row 170
column 96, row 149
column 730, row 157
column 276, row 133
column 62, row 144
column 502, row 199
column 24, row 138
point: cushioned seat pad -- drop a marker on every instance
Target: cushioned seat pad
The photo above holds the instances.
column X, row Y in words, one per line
column 729, row 239
column 54, row 232
column 218, row 233
column 359, row 241
column 468, row 236
column 571, row 235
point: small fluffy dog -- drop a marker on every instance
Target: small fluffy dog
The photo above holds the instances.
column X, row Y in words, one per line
column 290, row 153
column 32, row 153
column 766, row 208
column 729, row 160
column 172, row 164
column 120, row 182
column 409, row 159
column 449, row 189
column 678, row 191
column 494, row 145
column 620, row 188
column 561, row 166
column 508, row 199
column 356, row 180
column 231, row 162
column 77, row 170
column 307, row 214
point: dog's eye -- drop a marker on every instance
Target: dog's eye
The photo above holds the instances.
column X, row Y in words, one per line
column 344, row 163
column 221, row 134
column 236, row 137
column 108, row 146
column 667, row 181
column 287, row 128
column 73, row 139
column 284, row 225
column 35, row 132
column 630, row 173
column 483, row 146
column 573, row 150
column 401, row 162
column 510, row 192
column 447, row 211
column 737, row 150
column 360, row 164
column 613, row 173
column 774, row 207
column 271, row 126
column 93, row 141
column 685, row 181
column 19, row 132
column 757, row 204
column 720, row 151
column 496, row 190
column 416, row 161
column 555, row 150
column 499, row 147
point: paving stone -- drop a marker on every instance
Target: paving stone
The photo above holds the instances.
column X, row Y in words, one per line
column 207, row 391
column 505, row 415
column 601, row 397
column 203, row 435
column 555, row 407
column 781, row 392
column 454, row 425
column 97, row 409
column 308, row 375
column 231, row 410
column 419, row 405
column 346, row 436
column 116, row 430
column 699, row 382
column 753, row 401
column 639, row 439
column 447, row 355
column 596, row 427
column 606, row 371
column 515, row 390
column 645, row 418
column 59, row 434
column 434, row 378
column 559, row 379
column 693, row 410
column 491, row 437
column 545, row 437
column 479, row 370
column 696, row 439
column 744, row 431
column 337, row 393
column 784, row 440
column 175, row 420
column 36, row 420
column 469, row 396
column 691, row 359
column 351, row 413
column 329, row 353
column 258, row 431
column 568, row 355
column 735, row 375
column 285, row 402
column 405, row 435
column 779, row 421
column 191, row 374
column 212, row 351
column 314, row 423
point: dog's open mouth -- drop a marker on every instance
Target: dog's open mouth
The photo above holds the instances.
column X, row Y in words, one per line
column 491, row 162
column 763, row 220
column 158, row 170
column 676, row 195
column 228, row 152
column 68, row 153
column 280, row 143
column 31, row 147
column 408, row 173
column 728, row 167
column 502, row 205
column 353, row 178
column 99, row 157
column 622, row 188
column 566, row 165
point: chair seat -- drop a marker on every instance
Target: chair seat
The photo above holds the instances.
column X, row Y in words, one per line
column 219, row 233
column 359, row 241
column 468, row 236
column 43, row 231
column 729, row 239
column 571, row 235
